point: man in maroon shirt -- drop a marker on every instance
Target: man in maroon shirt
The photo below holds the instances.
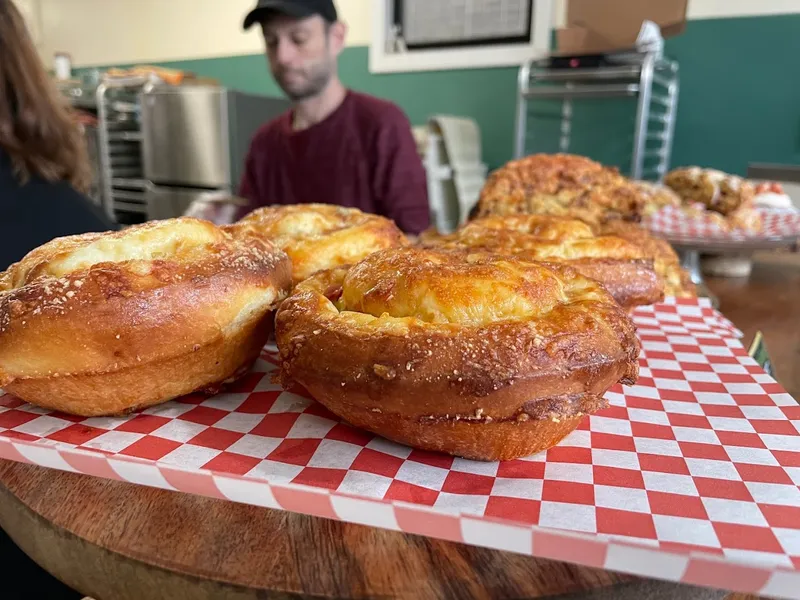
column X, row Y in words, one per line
column 334, row 146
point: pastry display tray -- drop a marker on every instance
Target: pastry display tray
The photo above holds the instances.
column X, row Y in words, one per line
column 780, row 228
column 690, row 475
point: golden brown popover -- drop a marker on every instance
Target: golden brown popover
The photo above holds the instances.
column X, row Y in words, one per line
column 543, row 227
column 722, row 193
column 624, row 268
column 475, row 354
column 655, row 197
column 677, row 281
column 323, row 236
column 106, row 323
column 561, row 185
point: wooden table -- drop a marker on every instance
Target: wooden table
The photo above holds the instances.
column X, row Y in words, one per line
column 768, row 301
column 117, row 541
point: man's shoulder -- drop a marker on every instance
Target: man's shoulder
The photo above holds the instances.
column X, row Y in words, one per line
column 377, row 112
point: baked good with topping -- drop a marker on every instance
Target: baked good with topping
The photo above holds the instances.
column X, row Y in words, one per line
column 722, row 193
column 107, row 323
column 624, row 268
column 655, row 196
column 561, row 185
column 542, row 227
column 323, row 236
column 479, row 355
column 677, row 281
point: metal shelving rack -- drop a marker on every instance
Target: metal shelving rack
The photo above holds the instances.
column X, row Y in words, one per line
column 120, row 147
column 83, row 98
column 652, row 80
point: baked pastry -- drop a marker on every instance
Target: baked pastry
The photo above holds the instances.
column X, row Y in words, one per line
column 323, row 236
column 717, row 191
column 542, row 227
column 677, row 281
column 107, row 323
column 728, row 195
column 624, row 268
column 431, row 234
column 475, row 354
column 655, row 196
column 560, row 185
column 539, row 227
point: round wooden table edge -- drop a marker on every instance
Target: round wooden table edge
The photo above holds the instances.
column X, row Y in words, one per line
column 57, row 549
column 33, row 533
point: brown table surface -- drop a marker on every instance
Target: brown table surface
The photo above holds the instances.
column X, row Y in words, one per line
column 118, row 541
column 768, row 301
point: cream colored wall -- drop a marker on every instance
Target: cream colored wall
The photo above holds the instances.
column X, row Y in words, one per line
column 714, row 9
column 103, row 32
column 30, row 11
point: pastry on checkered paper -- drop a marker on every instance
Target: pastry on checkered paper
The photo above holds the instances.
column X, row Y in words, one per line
column 322, row 236
column 107, row 323
column 476, row 354
column 719, row 192
column 624, row 268
column 655, row 196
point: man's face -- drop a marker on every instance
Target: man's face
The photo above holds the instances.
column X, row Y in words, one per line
column 302, row 53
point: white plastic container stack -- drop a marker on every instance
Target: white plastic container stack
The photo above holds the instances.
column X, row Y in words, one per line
column 451, row 151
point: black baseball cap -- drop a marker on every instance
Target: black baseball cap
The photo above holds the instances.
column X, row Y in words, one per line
column 293, row 8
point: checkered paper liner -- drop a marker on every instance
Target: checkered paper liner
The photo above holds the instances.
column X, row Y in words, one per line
column 674, row 224
column 690, row 475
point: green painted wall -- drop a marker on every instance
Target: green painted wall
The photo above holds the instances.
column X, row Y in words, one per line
column 739, row 101
column 740, row 92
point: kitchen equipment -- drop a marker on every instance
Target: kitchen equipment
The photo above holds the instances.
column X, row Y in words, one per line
column 162, row 146
column 119, row 145
column 165, row 202
column 194, row 141
column 647, row 81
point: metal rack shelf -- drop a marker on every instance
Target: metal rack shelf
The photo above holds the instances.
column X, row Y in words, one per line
column 651, row 80
column 631, row 72
column 134, row 184
column 120, row 146
column 124, row 136
column 583, row 91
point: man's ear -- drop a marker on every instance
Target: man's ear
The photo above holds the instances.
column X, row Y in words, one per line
column 337, row 36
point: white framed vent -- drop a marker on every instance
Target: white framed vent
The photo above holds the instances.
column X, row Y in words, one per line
column 425, row 35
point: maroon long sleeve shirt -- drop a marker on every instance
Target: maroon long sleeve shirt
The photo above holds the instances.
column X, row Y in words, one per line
column 363, row 155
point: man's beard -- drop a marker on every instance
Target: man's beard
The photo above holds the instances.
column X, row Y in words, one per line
column 313, row 81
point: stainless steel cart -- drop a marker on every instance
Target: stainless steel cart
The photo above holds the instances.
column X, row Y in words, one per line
column 652, row 81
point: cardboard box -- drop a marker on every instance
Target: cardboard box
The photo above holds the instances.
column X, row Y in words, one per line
column 597, row 26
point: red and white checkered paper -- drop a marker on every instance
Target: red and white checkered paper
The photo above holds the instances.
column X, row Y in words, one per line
column 673, row 223
column 691, row 475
